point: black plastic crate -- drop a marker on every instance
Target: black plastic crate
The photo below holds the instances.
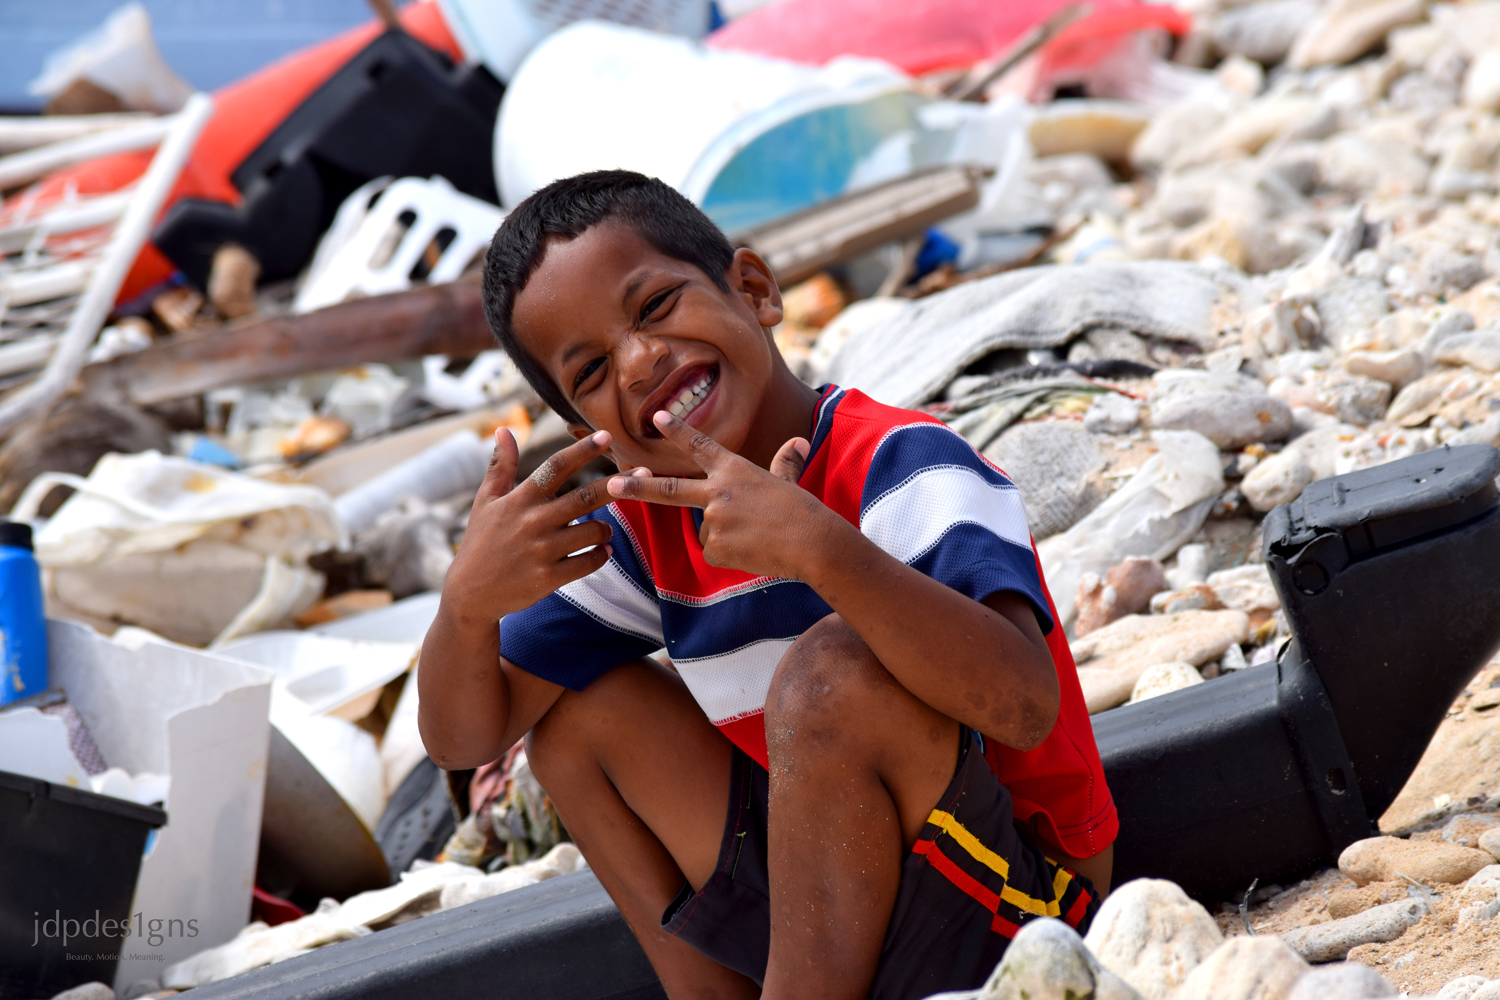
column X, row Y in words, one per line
column 397, row 108
column 68, row 865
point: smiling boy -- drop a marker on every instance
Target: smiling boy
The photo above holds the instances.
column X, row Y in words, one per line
column 803, row 804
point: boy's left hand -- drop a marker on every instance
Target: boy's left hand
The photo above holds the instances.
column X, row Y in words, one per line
column 754, row 520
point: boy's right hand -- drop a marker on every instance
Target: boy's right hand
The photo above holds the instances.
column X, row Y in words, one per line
column 516, row 549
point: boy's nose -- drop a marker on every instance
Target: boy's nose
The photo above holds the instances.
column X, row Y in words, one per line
column 638, row 358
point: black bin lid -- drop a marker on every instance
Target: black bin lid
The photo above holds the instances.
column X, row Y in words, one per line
column 1389, row 504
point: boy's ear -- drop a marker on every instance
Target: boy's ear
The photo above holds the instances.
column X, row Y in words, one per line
column 751, row 278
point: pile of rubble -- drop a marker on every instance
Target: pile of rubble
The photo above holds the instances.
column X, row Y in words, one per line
column 1271, row 261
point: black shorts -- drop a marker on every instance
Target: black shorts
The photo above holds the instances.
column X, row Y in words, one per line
column 972, row 878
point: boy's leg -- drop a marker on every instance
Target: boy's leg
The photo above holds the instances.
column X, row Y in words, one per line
column 857, row 764
column 641, row 778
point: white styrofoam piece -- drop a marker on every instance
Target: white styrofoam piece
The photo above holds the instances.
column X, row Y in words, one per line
column 367, row 265
column 201, row 719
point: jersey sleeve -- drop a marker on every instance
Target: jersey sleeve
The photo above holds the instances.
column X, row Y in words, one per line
column 583, row 629
column 931, row 501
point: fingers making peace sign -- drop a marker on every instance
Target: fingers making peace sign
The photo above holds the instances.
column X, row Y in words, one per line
column 755, row 520
column 521, row 543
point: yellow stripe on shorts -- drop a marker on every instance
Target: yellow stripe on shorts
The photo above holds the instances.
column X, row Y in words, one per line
column 972, row 846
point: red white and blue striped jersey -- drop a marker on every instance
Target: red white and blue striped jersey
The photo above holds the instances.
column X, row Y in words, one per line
column 912, row 486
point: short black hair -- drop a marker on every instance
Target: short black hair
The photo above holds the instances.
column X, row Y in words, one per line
column 567, row 208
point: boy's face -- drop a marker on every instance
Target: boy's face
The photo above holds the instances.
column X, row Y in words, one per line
column 625, row 331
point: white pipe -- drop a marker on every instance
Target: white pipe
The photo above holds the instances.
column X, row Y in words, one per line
column 18, row 132
column 124, row 246
column 457, row 462
column 64, row 218
column 19, row 168
column 28, row 354
column 22, row 288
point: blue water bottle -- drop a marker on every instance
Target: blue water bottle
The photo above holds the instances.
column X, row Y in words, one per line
column 23, row 624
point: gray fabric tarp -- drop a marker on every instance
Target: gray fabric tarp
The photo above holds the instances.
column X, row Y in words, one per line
column 907, row 359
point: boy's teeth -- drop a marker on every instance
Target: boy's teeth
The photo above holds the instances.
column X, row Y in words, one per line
column 690, row 398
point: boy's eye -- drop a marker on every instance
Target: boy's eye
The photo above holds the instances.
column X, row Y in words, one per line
column 586, row 371
column 654, row 303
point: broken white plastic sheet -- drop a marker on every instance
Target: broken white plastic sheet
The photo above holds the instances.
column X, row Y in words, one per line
column 385, row 231
column 190, row 551
column 36, row 745
column 404, row 621
column 1152, row 515
column 329, row 675
column 200, row 719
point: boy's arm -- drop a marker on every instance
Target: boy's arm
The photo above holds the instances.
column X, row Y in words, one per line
column 470, row 712
column 985, row 664
column 474, row 705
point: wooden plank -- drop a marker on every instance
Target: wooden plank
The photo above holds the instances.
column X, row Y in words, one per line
column 800, row 245
column 441, row 319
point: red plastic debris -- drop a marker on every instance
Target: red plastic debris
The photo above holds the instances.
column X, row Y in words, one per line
column 245, row 113
column 924, row 36
column 272, row 910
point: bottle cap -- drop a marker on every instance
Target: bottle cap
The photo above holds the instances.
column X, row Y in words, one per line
column 15, row 534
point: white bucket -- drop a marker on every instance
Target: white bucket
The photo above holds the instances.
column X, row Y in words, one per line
column 597, row 96
column 747, row 138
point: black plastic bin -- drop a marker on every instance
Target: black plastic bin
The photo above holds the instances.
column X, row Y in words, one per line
column 68, row 864
column 1387, row 580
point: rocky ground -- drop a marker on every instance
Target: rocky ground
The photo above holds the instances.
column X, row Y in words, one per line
column 1444, row 813
column 1334, row 174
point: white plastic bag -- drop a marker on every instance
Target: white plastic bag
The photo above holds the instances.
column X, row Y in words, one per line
column 192, row 552
column 119, row 56
column 1155, row 513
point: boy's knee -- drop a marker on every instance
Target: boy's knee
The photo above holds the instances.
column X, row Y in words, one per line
column 563, row 744
column 821, row 680
column 555, row 746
